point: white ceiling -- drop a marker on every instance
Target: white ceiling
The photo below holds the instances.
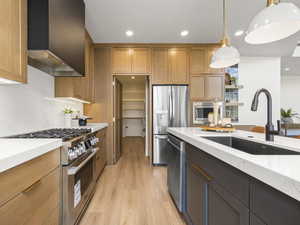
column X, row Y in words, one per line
column 160, row 21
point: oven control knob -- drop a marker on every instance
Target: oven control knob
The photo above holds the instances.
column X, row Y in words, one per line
column 82, row 147
column 77, row 151
column 71, row 154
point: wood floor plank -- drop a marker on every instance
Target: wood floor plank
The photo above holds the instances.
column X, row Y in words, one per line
column 132, row 193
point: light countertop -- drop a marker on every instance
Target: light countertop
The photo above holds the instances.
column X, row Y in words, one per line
column 282, row 172
column 14, row 152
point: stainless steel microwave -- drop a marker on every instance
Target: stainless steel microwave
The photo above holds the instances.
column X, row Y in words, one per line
column 201, row 111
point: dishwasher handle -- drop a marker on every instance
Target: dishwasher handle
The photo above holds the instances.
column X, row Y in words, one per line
column 174, row 145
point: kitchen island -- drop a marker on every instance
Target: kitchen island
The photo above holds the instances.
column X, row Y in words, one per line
column 229, row 186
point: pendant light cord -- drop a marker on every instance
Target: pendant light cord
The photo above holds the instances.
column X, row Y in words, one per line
column 225, row 25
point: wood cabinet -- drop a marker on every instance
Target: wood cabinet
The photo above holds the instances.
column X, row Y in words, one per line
column 170, row 66
column 79, row 87
column 224, row 208
column 272, row 206
column 196, row 195
column 255, row 220
column 178, row 64
column 200, row 59
column 207, row 87
column 160, row 69
column 13, row 40
column 131, row 60
column 31, row 194
column 197, row 88
column 101, row 154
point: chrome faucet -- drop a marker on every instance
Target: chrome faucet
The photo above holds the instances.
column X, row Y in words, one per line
column 270, row 132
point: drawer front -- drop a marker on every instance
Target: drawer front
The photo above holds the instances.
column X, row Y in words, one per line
column 17, row 179
column 100, row 161
column 272, row 206
column 234, row 181
column 37, row 205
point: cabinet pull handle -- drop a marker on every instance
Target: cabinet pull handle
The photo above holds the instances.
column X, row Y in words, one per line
column 202, row 172
column 31, row 187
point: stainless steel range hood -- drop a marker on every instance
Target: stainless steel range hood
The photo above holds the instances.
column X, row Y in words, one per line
column 56, row 36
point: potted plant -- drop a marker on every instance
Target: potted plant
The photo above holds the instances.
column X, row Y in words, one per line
column 68, row 117
column 287, row 115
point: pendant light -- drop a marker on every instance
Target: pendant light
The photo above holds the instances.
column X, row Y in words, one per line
column 277, row 21
column 227, row 55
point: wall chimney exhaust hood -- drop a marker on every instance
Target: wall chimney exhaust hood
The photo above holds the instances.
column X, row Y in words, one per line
column 56, row 36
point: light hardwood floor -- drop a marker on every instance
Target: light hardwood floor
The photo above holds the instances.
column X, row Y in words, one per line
column 132, row 193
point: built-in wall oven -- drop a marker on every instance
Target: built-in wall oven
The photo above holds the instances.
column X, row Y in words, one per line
column 201, row 111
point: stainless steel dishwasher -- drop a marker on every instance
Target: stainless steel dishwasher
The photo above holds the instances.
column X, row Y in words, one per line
column 177, row 171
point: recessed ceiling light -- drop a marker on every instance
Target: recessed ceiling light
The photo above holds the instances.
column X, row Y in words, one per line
column 239, row 33
column 184, row 33
column 287, row 69
column 129, row 33
column 133, row 77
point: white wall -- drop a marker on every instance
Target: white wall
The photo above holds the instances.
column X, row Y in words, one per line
column 24, row 108
column 256, row 73
column 290, row 94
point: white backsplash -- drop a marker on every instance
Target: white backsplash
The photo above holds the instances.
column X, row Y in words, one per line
column 28, row 107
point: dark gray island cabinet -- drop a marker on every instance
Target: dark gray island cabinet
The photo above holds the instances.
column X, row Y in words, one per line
column 219, row 194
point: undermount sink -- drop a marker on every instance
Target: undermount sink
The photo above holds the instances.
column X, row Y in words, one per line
column 251, row 147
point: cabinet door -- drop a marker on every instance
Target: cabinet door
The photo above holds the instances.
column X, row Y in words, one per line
column 122, row 60
column 225, row 209
column 197, row 61
column 197, row 88
column 209, row 54
column 141, row 60
column 178, row 66
column 255, row 220
column 196, row 195
column 160, row 70
column 214, row 87
column 273, row 206
column 38, row 204
column 13, row 40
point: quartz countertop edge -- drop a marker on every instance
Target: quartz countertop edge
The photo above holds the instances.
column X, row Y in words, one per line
column 15, row 152
column 279, row 171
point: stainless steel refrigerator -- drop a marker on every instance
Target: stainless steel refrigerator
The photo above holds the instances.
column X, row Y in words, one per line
column 170, row 109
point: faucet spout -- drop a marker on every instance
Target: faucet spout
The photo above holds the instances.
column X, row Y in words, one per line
column 269, row 126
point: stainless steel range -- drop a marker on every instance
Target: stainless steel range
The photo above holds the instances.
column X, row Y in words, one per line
column 78, row 169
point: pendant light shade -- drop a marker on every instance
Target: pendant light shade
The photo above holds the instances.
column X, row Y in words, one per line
column 227, row 55
column 276, row 22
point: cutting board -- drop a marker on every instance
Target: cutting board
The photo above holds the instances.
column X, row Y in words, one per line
column 218, row 129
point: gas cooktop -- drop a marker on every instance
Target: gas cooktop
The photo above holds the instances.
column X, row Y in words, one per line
column 65, row 134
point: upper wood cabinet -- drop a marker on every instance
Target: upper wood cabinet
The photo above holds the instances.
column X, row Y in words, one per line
column 197, row 88
column 200, row 59
column 170, row 66
column 207, row 87
column 160, row 69
column 178, row 63
column 131, row 60
column 13, row 40
column 79, row 87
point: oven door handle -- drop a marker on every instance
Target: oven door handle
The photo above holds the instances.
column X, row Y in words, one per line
column 73, row 170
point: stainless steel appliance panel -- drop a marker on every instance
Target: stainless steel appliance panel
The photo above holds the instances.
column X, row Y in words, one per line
column 161, row 109
column 179, row 106
column 170, row 109
column 177, row 171
column 160, row 150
